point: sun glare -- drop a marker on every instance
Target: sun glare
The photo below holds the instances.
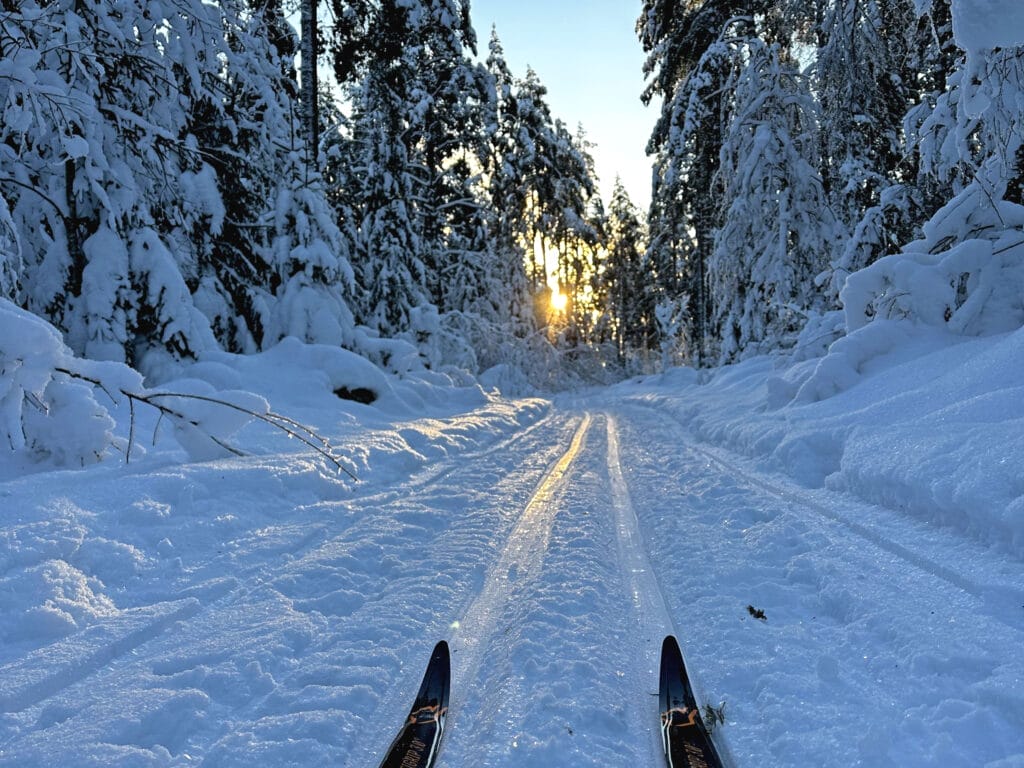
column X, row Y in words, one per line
column 558, row 301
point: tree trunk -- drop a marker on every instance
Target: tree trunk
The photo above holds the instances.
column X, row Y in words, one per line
column 310, row 111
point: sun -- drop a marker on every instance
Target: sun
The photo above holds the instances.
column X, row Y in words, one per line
column 559, row 301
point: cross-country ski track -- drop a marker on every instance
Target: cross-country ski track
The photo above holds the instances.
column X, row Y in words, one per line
column 288, row 625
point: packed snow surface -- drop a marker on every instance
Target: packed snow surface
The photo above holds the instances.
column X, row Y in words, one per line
column 265, row 609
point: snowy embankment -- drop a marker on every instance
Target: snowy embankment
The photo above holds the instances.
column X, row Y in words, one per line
column 266, row 609
column 921, row 423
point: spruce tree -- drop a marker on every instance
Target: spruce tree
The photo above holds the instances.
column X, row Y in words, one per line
column 629, row 290
column 687, row 65
column 507, row 159
column 776, row 225
column 97, row 169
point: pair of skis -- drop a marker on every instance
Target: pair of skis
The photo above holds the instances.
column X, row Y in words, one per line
column 685, row 739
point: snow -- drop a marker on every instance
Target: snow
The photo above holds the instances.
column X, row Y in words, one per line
column 973, row 26
column 267, row 609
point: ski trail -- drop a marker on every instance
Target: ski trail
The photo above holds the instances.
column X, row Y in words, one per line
column 889, row 533
column 875, row 614
column 652, row 616
column 520, row 560
column 650, row 610
column 995, row 598
column 650, row 613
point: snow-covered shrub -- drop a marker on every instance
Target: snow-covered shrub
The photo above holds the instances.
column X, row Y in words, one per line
column 966, row 275
column 964, row 278
column 50, row 409
column 44, row 412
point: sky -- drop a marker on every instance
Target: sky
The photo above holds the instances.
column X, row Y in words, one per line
column 587, row 54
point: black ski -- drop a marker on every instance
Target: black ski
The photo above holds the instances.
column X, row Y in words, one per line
column 684, row 737
column 417, row 744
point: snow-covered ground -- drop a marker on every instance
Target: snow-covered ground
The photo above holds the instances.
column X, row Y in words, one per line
column 267, row 610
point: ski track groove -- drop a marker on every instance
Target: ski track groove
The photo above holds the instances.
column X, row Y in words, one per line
column 518, row 563
column 1007, row 595
column 650, row 614
column 372, row 741
column 88, row 661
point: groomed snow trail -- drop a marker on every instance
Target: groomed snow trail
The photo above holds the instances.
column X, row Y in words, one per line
column 259, row 612
column 886, row 641
column 557, row 656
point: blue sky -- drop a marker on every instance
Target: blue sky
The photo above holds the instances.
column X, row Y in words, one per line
column 587, row 54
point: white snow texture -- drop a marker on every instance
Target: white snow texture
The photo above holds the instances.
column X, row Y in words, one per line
column 265, row 609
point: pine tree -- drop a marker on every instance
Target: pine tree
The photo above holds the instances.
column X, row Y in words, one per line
column 417, row 122
column 575, row 236
column 388, row 250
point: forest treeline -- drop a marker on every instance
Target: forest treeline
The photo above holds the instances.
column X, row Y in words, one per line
column 799, row 142
column 170, row 184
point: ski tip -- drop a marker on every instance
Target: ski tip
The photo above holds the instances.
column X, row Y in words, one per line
column 441, row 653
column 670, row 647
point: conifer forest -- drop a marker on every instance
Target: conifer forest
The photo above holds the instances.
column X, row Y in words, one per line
column 174, row 179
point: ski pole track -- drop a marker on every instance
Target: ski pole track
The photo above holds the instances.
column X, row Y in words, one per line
column 873, row 626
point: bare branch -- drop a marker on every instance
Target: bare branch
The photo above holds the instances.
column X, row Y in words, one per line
column 306, row 435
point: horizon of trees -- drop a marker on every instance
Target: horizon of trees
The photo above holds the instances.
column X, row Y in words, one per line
column 169, row 183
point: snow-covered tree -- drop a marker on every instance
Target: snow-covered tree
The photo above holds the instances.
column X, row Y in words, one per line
column 964, row 273
column 864, row 86
column 387, row 253
column 628, row 284
column 776, row 224
column 146, row 147
column 507, row 162
column 400, row 185
column 689, row 62
column 94, row 155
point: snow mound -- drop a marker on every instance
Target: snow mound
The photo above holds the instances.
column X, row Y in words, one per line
column 986, row 24
column 45, row 414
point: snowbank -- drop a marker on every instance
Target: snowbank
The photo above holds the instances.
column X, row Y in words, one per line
column 899, row 414
column 59, row 411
